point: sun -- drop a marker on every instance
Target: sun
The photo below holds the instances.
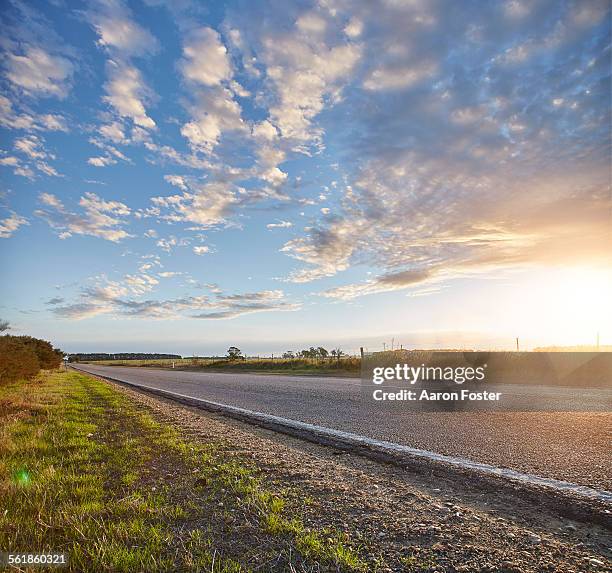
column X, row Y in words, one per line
column 581, row 299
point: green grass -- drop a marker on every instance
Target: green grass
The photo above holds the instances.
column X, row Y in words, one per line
column 86, row 471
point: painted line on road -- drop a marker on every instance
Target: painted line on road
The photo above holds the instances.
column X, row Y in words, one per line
column 342, row 439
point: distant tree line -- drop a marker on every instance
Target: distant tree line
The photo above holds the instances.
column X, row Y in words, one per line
column 24, row 356
column 319, row 353
column 316, row 353
column 91, row 356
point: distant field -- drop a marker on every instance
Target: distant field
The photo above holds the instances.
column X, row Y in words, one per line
column 583, row 369
column 349, row 365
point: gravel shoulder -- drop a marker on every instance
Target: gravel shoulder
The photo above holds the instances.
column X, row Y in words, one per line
column 403, row 520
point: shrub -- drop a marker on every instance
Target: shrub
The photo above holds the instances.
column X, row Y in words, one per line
column 48, row 357
column 17, row 360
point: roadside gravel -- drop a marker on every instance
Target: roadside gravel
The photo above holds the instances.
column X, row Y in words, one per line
column 405, row 521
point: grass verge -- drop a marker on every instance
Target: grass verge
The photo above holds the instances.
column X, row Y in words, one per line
column 86, row 471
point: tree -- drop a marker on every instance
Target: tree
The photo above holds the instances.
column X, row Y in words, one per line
column 322, row 352
column 338, row 353
column 234, row 353
column 4, row 325
column 289, row 354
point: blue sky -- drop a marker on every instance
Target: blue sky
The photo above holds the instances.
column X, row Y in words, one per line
column 180, row 176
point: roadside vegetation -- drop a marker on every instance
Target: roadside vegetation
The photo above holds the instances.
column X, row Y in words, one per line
column 313, row 361
column 346, row 366
column 22, row 357
column 86, row 471
column 572, row 369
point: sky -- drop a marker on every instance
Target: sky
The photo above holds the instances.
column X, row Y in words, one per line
column 179, row 176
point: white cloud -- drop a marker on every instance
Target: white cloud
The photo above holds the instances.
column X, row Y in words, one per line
column 208, row 204
column 201, row 250
column 101, row 161
column 399, row 77
column 354, row 28
column 311, row 23
column 11, row 119
column 24, row 172
column 127, row 93
column 38, row 72
column 239, row 90
column 280, row 225
column 214, row 112
column 207, row 69
column 264, row 130
column 50, row 122
column 171, row 242
column 10, row 224
column 100, row 218
column 117, row 31
column 31, row 146
column 141, row 283
column 177, row 181
column 274, row 176
column 304, row 70
column 113, row 131
column 47, row 169
column 205, row 60
column 111, row 153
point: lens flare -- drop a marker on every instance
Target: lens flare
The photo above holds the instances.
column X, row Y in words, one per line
column 21, row 477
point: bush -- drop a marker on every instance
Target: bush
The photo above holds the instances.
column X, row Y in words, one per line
column 17, row 360
column 48, row 357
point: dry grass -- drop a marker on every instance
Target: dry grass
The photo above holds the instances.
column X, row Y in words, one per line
column 348, row 365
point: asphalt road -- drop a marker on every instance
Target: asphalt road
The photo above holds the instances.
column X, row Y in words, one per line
column 572, row 446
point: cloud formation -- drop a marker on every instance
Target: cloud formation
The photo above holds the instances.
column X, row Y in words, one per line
column 10, row 224
column 127, row 93
column 117, row 31
column 123, row 39
column 37, row 72
column 10, row 118
column 207, row 70
column 464, row 169
column 123, row 299
column 401, row 144
column 100, row 218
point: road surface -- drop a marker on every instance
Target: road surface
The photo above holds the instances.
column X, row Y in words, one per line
column 571, row 446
